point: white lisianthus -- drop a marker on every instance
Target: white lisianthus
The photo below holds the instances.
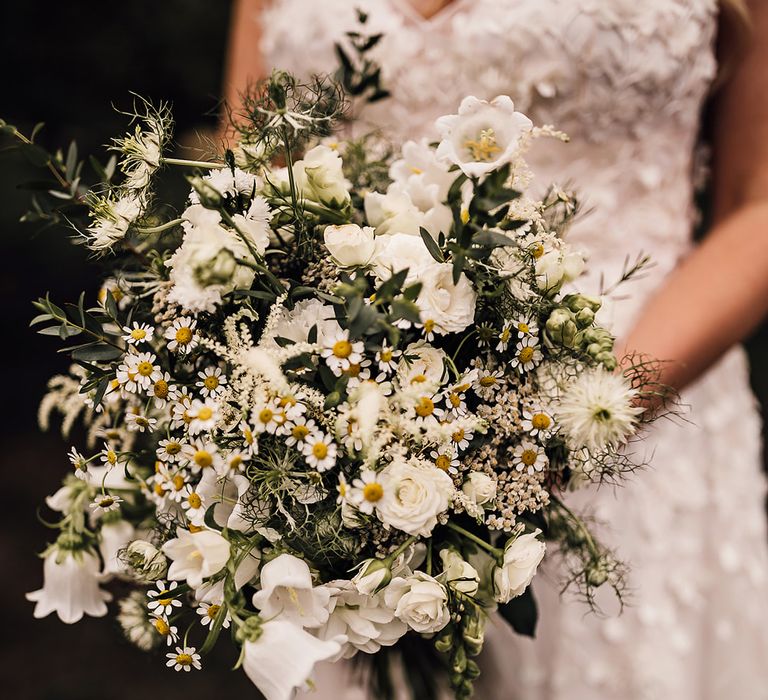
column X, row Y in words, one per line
column 596, row 411
column 320, row 177
column 450, row 307
column 522, row 556
column 480, row 488
column 365, row 621
column 419, row 601
column 70, row 586
column 393, row 212
column 114, row 538
column 196, row 555
column 350, row 245
column 373, row 575
column 483, row 136
column 556, row 267
column 414, row 495
column 287, row 590
column 281, row 657
column 401, row 251
column 458, row 573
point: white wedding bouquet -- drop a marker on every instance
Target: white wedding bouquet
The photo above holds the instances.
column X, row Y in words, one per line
column 336, row 400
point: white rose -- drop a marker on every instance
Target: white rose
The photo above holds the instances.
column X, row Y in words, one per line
column 393, row 212
column 401, row 251
column 522, row 556
column 479, row 488
column 320, row 177
column 458, row 573
column 350, row 245
column 414, row 496
column 556, row 267
column 450, row 306
column 196, row 555
column 419, row 601
column 483, row 136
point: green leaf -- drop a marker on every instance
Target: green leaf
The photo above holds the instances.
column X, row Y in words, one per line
column 97, row 353
column 402, row 308
column 492, row 239
column 522, row 613
column 432, row 246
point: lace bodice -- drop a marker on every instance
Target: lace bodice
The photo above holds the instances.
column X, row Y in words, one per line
column 625, row 79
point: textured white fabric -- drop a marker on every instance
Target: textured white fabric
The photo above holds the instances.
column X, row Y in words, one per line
column 626, row 80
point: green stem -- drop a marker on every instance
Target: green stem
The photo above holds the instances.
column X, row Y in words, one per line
column 160, row 228
column 193, row 163
column 593, row 548
column 62, row 181
column 401, row 549
column 474, row 538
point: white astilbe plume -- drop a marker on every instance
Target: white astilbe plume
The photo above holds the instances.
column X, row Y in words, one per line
column 596, row 410
column 264, row 364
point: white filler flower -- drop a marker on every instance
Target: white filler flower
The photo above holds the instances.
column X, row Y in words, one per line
column 596, row 410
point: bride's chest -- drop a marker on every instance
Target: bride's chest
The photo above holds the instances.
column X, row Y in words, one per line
column 598, row 61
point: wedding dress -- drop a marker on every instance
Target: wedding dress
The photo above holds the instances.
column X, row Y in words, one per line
column 626, row 80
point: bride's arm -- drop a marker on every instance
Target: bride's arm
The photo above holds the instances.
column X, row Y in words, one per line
column 719, row 294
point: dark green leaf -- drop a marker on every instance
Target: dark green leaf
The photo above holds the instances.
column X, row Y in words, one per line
column 97, row 353
column 432, row 246
column 522, row 613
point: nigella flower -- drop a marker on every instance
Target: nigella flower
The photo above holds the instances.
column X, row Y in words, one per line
column 111, row 217
column 71, row 589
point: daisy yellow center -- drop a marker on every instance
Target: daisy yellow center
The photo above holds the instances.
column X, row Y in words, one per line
column 287, row 401
column 178, row 482
column 162, row 627
column 418, row 379
column 537, row 250
column 248, row 436
column 212, row 611
column 342, row 489
column 425, row 407
column 141, row 421
column 111, row 456
column 523, row 328
column 299, row 432
column 540, row 421
column 458, row 435
column 161, row 389
column 173, row 448
column 106, row 502
column 429, row 325
column 354, row 370
column 455, row 400
column 526, row 354
column 204, row 413
column 211, row 382
column 183, row 335
column 485, row 147
column 159, row 490
column 138, row 334
column 488, row 380
column 194, row 501
column 386, row 355
column 342, row 349
column 145, row 368
column 528, row 457
column 265, row 415
column 203, row 458
column 504, row 336
column 373, row 492
column 443, row 462
column 320, row 450
column 235, row 462
column 184, row 659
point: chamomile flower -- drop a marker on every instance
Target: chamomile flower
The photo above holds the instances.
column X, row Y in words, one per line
column 184, row 659
column 446, row 461
column 140, row 333
column 320, row 451
column 109, row 457
column 164, row 628
column 524, row 327
column 204, row 416
column 461, row 437
column 208, row 613
column 162, row 390
column 170, row 450
column 426, row 410
column 202, row 455
column 367, row 491
column 176, row 486
column 138, row 422
column 488, row 379
column 348, row 432
column 340, row 352
column 529, row 457
column 138, row 371
column 505, row 335
column 181, row 335
column 387, row 358
column 537, row 422
column 162, row 599
column 234, row 461
column 182, row 402
column 455, row 396
column 292, row 407
column 269, row 418
column 79, row 462
column 299, row 430
column 211, row 381
column 527, row 354
column 250, row 446
column 105, row 503
column 428, row 329
column 194, row 506
column 343, row 490
column 357, row 373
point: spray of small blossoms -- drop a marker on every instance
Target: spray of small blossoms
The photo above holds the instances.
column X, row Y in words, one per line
column 333, row 402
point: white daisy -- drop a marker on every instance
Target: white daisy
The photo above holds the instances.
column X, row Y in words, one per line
column 138, row 422
column 79, row 462
column 387, row 358
column 204, row 415
column 537, row 422
column 505, row 335
column 162, row 599
column 170, row 450
column 530, row 457
column 138, row 371
column 426, row 410
column 299, row 430
column 182, row 402
column 184, row 659
column 367, row 491
column 343, row 490
column 320, row 451
column 164, row 628
column 269, row 418
column 445, row 461
column 211, row 381
column 208, row 613
column 203, row 454
column 175, row 487
column 110, row 457
column 181, row 334
column 357, row 373
column 525, row 327
column 162, row 390
column 527, row 354
column 487, row 380
column 234, row 461
column 194, row 506
column 460, row 438
column 105, row 503
column 140, row 333
column 250, row 446
column 340, row 352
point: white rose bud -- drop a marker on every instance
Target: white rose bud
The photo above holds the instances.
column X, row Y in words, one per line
column 522, row 556
column 374, row 574
column 350, row 245
column 320, row 177
column 458, row 573
column 419, row 601
column 480, row 488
